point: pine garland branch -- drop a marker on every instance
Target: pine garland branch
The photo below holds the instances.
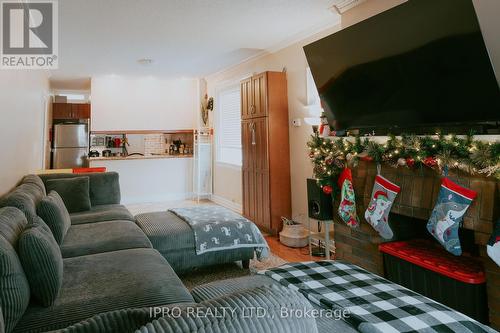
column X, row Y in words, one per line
column 330, row 155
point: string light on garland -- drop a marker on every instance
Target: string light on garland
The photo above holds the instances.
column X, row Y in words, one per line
column 331, row 155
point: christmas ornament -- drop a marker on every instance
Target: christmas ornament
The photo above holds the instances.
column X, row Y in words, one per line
column 327, row 189
column 383, row 194
column 430, row 161
column 347, row 207
column 466, row 154
column 453, row 201
column 493, row 247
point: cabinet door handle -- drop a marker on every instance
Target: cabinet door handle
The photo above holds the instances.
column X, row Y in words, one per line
column 252, row 109
column 252, row 128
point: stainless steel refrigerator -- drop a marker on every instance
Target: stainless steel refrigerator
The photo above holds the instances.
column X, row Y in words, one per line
column 70, row 146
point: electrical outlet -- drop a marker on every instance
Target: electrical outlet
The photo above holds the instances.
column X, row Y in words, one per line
column 296, row 122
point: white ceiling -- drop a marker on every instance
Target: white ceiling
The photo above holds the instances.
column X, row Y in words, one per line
column 185, row 38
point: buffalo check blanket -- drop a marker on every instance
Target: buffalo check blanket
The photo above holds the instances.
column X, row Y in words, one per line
column 374, row 303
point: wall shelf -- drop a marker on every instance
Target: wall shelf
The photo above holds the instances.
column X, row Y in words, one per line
column 182, row 131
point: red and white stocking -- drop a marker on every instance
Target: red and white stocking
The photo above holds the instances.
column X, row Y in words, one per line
column 383, row 194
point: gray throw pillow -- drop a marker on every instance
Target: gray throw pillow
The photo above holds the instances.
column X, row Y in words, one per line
column 73, row 191
column 36, row 180
column 53, row 212
column 42, row 261
column 14, row 287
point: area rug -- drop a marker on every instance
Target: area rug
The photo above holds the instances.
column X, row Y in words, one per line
column 227, row 271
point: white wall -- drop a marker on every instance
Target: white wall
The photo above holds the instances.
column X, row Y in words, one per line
column 227, row 182
column 23, row 104
column 143, row 103
column 487, row 11
column 147, row 103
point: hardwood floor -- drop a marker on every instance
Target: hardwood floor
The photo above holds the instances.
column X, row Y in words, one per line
column 288, row 253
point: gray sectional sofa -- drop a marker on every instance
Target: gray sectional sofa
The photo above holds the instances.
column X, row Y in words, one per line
column 111, row 275
column 108, row 261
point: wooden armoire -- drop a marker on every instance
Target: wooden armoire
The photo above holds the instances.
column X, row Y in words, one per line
column 266, row 151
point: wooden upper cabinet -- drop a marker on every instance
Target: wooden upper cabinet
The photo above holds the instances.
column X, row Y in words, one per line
column 254, row 97
column 82, row 111
column 246, row 98
column 70, row 111
column 259, row 96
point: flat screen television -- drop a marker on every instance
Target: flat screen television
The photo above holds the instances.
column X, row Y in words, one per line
column 419, row 66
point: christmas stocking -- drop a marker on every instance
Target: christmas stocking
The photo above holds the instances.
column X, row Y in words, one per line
column 347, row 207
column 383, row 194
column 453, row 201
column 493, row 247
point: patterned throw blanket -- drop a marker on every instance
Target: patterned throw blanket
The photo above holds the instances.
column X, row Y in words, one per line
column 217, row 228
column 374, row 303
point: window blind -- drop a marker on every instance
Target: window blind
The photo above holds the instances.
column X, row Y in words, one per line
column 229, row 126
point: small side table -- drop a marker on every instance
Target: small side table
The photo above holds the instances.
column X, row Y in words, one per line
column 324, row 236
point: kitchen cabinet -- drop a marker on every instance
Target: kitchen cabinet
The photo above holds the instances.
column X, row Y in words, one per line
column 70, row 111
column 266, row 152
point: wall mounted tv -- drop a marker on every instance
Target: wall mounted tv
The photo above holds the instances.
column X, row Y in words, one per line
column 417, row 67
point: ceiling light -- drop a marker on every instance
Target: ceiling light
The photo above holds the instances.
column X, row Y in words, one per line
column 341, row 6
column 145, row 61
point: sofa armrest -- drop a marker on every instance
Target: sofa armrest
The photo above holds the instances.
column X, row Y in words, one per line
column 104, row 186
column 265, row 309
column 120, row 321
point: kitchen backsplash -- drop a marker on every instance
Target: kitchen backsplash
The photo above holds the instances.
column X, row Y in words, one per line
column 154, row 144
column 147, row 144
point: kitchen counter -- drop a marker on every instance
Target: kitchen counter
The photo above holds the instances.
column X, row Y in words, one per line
column 152, row 178
column 138, row 157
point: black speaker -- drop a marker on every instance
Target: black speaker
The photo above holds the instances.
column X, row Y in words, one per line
column 320, row 204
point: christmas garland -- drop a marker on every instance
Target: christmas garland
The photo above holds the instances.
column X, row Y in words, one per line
column 331, row 155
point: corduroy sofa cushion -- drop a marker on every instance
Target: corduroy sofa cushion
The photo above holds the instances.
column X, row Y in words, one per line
column 42, row 261
column 53, row 212
column 119, row 321
column 104, row 186
column 106, row 282
column 2, row 323
column 25, row 197
column 100, row 237
column 12, row 224
column 36, row 180
column 102, row 213
column 208, row 291
column 173, row 238
column 73, row 191
column 14, row 287
column 270, row 301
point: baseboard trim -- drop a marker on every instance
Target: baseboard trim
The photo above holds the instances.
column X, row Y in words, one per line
column 226, row 203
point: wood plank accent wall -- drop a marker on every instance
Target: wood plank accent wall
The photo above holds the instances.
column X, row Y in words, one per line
column 419, row 192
